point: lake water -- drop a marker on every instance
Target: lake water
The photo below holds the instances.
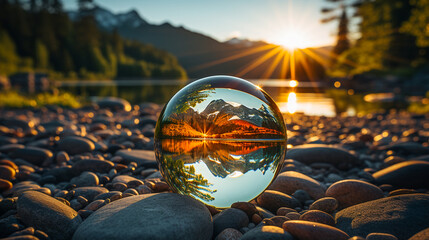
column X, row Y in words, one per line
column 305, row 97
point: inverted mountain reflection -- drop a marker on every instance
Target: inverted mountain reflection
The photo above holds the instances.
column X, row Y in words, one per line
column 219, row 172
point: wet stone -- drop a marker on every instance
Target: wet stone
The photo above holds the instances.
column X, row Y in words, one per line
column 312, row 230
column 75, row 145
column 318, row 216
column 229, row 218
column 352, row 192
column 326, row 204
column 290, row 181
column 48, row 214
column 273, row 200
column 33, row 155
column 319, row 153
column 267, row 232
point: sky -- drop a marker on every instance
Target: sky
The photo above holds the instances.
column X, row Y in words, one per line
column 283, row 22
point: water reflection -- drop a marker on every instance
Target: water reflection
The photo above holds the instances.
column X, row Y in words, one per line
column 219, row 172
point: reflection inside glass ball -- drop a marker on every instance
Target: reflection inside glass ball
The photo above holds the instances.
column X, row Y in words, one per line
column 220, row 140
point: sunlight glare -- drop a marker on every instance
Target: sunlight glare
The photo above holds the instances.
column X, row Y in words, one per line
column 293, row 83
column 291, row 102
column 292, row 39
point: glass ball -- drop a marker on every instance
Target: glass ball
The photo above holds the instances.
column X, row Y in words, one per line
column 221, row 140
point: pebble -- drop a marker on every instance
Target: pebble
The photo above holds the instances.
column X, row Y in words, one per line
column 89, row 192
column 273, row 200
column 114, row 104
column 293, row 215
column 380, row 236
column 318, row 216
column 124, row 179
column 304, row 230
column 409, row 174
column 143, row 158
column 229, row 218
column 229, row 234
column 48, row 214
column 75, row 145
column 402, row 216
column 284, row 210
column 320, row 153
column 5, row 185
column 62, row 157
column 139, row 217
column 326, row 204
column 93, row 206
column 22, row 237
column 112, row 195
column 92, row 165
column 290, row 181
column 267, row 232
column 85, row 179
column 33, row 155
column 351, row 192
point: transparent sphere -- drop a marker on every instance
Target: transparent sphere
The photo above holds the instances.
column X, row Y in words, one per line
column 220, row 140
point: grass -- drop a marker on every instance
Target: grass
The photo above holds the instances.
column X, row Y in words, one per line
column 13, row 99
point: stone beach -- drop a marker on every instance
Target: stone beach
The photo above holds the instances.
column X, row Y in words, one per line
column 91, row 173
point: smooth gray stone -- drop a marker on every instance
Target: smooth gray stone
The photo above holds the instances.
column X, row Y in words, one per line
column 75, row 145
column 92, row 165
column 149, row 216
column 267, row 232
column 409, row 174
column 141, row 157
column 402, row 216
column 290, row 181
column 89, row 192
column 230, row 218
column 46, row 213
column 114, row 103
column 86, row 179
column 33, row 155
column 320, row 153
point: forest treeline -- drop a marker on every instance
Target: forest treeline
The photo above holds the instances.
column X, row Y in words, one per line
column 393, row 35
column 39, row 36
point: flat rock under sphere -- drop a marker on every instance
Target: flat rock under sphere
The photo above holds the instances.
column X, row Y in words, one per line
column 149, row 216
column 409, row 174
column 46, row 213
column 402, row 216
column 320, row 153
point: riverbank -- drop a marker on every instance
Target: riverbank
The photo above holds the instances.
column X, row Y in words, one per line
column 91, row 172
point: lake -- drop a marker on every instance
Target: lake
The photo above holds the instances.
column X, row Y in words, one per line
column 306, row 97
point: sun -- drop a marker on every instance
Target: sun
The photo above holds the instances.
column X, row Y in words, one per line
column 292, row 39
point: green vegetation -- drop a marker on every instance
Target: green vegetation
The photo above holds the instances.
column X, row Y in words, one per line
column 41, row 37
column 343, row 101
column 393, row 36
column 11, row 99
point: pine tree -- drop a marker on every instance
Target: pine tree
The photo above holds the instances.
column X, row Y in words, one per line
column 343, row 42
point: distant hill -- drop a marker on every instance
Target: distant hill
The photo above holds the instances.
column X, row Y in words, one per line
column 201, row 55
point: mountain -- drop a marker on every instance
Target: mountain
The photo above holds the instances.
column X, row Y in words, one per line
column 221, row 119
column 202, row 55
column 110, row 21
column 242, row 42
column 218, row 109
